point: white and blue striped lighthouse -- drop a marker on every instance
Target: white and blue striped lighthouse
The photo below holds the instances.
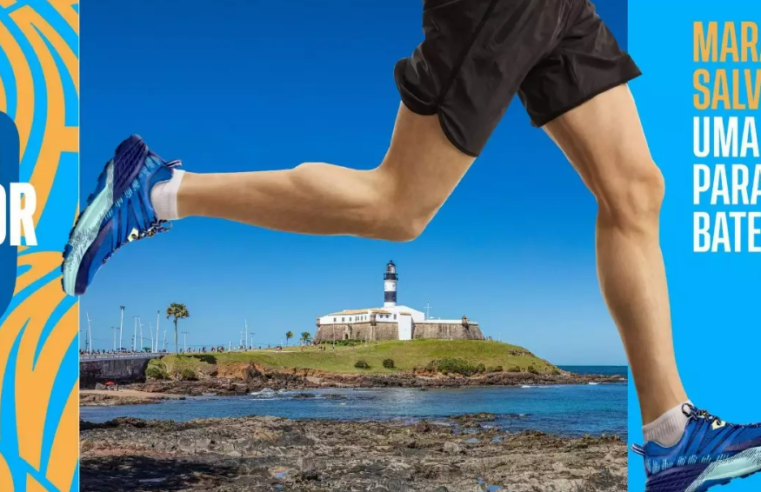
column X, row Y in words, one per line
column 389, row 285
column 393, row 321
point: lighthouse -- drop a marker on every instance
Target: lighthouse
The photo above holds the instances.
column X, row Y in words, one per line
column 392, row 321
column 389, row 285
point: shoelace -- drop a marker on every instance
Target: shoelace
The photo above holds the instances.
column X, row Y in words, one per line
column 157, row 227
column 694, row 414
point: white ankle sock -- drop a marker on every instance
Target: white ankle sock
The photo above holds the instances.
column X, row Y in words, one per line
column 667, row 429
column 164, row 196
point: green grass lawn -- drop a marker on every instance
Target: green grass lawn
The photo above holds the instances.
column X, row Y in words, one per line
column 405, row 354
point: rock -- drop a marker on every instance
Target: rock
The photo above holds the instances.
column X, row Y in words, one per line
column 474, row 418
column 186, row 445
column 242, row 378
column 254, row 453
column 202, row 444
column 227, row 448
column 309, row 475
column 307, row 471
column 452, row 448
column 130, row 422
column 422, row 427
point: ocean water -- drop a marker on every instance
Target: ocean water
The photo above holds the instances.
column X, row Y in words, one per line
column 564, row 410
column 622, row 371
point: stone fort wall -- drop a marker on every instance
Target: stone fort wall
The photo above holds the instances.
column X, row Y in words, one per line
column 390, row 331
column 357, row 331
column 446, row 331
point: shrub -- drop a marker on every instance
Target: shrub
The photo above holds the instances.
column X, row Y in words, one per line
column 491, row 369
column 188, row 375
column 532, row 370
column 388, row 363
column 155, row 372
column 480, row 368
column 514, row 369
column 452, row 365
column 556, row 372
column 362, row 364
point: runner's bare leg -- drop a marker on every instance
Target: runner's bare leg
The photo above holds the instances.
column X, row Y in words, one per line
column 394, row 201
column 604, row 141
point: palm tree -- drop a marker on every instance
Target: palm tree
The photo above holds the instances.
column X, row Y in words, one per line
column 288, row 336
column 306, row 337
column 177, row 311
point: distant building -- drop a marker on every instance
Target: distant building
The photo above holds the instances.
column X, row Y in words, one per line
column 392, row 321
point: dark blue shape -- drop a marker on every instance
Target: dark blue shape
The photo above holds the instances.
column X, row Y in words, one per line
column 9, row 173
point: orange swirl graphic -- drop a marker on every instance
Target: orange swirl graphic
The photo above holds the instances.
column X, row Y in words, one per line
column 32, row 45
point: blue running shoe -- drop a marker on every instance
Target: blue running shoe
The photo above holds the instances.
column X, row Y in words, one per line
column 118, row 212
column 711, row 452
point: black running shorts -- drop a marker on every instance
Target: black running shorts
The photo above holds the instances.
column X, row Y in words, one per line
column 556, row 54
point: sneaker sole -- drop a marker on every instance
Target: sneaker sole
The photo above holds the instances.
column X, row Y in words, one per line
column 87, row 228
column 722, row 472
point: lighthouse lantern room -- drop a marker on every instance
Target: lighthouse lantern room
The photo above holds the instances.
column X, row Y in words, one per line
column 389, row 285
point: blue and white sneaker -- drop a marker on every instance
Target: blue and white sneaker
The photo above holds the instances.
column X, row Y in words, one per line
column 711, row 452
column 118, row 212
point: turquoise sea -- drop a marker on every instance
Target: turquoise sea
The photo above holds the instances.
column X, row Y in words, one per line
column 567, row 410
column 622, row 371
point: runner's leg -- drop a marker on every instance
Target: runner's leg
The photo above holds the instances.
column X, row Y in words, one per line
column 394, row 201
column 604, row 141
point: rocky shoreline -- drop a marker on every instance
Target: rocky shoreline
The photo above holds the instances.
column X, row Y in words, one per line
column 466, row 453
column 250, row 378
column 109, row 398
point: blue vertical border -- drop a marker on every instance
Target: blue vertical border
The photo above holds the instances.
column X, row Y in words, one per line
column 714, row 297
column 39, row 90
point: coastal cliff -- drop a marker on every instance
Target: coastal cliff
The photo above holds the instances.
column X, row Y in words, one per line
column 246, row 379
column 418, row 363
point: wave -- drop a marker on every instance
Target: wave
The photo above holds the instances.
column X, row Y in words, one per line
column 265, row 393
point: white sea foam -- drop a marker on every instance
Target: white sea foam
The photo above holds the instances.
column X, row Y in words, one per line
column 265, row 393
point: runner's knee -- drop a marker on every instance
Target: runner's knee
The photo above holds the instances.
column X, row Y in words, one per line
column 400, row 213
column 378, row 204
column 400, row 220
column 402, row 228
column 633, row 199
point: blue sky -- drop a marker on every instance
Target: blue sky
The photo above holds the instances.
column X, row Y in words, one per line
column 254, row 85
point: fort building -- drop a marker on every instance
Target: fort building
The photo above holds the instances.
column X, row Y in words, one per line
column 392, row 321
